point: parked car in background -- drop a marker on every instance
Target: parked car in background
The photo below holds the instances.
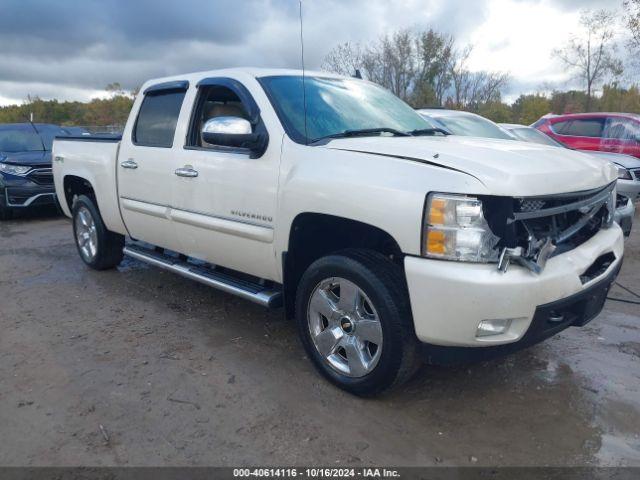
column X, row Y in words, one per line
column 25, row 166
column 530, row 134
column 628, row 186
column 384, row 238
column 77, row 131
column 464, row 123
column 605, row 132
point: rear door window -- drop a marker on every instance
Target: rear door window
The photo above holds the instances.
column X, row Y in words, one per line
column 622, row 129
column 587, row 127
column 158, row 117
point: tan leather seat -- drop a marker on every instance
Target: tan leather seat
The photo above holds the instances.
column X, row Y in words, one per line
column 213, row 110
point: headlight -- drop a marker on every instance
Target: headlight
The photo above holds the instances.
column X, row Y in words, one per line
column 455, row 229
column 623, row 173
column 14, row 169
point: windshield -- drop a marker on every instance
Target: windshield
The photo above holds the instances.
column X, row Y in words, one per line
column 336, row 105
column 532, row 135
column 19, row 138
column 472, row 126
column 49, row 132
column 23, row 137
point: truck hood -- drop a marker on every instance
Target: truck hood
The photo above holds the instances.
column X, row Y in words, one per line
column 505, row 167
column 37, row 158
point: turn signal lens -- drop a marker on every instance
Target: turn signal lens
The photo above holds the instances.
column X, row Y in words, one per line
column 436, row 211
column 436, row 242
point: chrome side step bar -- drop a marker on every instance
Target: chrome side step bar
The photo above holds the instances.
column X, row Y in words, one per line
column 252, row 291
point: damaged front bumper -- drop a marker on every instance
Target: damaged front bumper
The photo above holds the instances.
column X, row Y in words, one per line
column 539, row 227
column 549, row 319
column 450, row 299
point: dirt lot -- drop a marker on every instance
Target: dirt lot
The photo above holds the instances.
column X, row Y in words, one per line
column 141, row 367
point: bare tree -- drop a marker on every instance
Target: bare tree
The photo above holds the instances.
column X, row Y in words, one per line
column 389, row 62
column 470, row 90
column 115, row 88
column 423, row 68
column 392, row 63
column 344, row 59
column 460, row 78
column 592, row 53
column 632, row 19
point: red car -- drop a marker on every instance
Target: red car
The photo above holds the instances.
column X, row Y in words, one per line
column 605, row 132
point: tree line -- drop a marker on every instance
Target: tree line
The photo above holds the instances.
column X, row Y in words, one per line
column 113, row 110
column 424, row 68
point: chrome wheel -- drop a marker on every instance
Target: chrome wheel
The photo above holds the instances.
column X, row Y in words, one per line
column 86, row 234
column 345, row 327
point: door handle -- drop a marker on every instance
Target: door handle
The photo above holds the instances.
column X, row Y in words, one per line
column 58, row 158
column 129, row 164
column 186, row 172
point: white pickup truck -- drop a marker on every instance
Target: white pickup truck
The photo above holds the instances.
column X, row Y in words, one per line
column 387, row 240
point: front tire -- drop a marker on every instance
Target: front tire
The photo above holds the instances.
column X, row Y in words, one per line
column 99, row 248
column 354, row 320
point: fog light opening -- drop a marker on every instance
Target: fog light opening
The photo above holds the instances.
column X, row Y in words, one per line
column 498, row 326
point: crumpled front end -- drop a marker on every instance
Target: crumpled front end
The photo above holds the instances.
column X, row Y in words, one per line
column 553, row 248
column 538, row 228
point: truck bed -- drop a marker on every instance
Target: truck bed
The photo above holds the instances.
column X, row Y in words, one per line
column 93, row 159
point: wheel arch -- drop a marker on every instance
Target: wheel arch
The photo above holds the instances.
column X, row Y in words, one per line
column 75, row 186
column 313, row 235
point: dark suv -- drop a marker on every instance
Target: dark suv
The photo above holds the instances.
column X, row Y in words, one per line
column 25, row 166
column 604, row 132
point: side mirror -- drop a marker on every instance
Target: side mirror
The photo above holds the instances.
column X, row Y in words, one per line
column 233, row 132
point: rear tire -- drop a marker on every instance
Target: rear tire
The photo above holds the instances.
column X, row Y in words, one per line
column 367, row 349
column 99, row 248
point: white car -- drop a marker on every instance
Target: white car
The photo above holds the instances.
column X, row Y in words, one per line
column 459, row 122
column 388, row 241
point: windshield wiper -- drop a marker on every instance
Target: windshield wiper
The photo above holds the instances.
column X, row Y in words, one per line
column 363, row 133
column 429, row 131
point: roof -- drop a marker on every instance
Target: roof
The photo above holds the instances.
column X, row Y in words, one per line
column 241, row 71
column 597, row 114
column 442, row 112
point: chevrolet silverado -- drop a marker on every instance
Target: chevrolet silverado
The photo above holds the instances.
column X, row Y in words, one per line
column 387, row 240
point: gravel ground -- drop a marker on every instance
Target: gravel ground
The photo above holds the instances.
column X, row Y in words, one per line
column 141, row 367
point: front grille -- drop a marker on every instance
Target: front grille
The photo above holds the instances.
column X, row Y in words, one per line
column 41, row 176
column 636, row 174
column 567, row 220
column 531, row 205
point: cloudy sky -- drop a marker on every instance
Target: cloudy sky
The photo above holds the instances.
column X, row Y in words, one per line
column 71, row 49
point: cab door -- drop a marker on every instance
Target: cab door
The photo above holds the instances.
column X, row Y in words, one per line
column 146, row 165
column 225, row 198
